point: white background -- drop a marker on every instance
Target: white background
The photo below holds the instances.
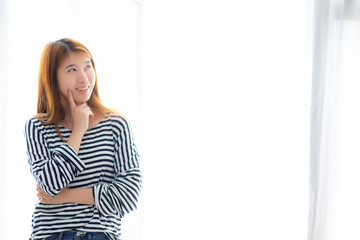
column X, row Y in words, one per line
column 218, row 94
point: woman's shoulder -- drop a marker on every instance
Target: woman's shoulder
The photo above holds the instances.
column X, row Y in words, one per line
column 117, row 117
column 35, row 122
column 32, row 121
column 118, row 121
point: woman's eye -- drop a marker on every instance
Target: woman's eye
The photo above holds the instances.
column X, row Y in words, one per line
column 88, row 66
column 71, row 70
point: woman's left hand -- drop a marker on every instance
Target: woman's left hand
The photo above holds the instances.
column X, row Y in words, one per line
column 62, row 197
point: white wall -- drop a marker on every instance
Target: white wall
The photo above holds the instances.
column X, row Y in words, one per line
column 226, row 118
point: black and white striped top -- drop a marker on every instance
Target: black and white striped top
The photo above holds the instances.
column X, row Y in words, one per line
column 107, row 161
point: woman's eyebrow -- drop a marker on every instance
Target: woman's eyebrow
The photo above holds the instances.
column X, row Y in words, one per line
column 72, row 65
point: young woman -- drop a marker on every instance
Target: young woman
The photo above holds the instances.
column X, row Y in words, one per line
column 81, row 154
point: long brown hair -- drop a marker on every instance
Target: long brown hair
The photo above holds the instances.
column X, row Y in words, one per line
column 49, row 108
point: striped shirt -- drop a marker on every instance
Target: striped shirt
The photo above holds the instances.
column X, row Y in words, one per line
column 107, row 161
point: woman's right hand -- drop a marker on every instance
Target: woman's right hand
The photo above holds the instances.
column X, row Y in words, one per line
column 80, row 115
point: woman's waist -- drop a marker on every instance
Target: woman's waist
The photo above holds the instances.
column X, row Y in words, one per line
column 63, row 211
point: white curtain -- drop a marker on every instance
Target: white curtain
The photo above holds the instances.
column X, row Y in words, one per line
column 218, row 93
column 3, row 84
column 335, row 115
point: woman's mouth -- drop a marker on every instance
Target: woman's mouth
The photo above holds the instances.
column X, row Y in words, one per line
column 83, row 88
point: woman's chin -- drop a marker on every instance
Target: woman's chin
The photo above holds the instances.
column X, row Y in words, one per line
column 80, row 100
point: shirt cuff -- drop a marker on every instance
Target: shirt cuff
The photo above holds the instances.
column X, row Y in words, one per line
column 66, row 152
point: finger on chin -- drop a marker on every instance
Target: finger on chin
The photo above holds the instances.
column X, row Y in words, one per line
column 71, row 98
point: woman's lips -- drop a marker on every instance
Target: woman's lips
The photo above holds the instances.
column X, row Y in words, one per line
column 83, row 89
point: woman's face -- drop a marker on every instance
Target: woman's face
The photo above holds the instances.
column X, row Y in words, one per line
column 76, row 74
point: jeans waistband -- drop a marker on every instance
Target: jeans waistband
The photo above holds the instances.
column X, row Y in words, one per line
column 79, row 235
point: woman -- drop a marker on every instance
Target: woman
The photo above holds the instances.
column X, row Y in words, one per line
column 81, row 154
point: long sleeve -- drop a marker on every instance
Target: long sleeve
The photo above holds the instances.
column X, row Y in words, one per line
column 52, row 169
column 121, row 196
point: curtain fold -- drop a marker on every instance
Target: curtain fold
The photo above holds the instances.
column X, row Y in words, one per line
column 321, row 111
column 334, row 104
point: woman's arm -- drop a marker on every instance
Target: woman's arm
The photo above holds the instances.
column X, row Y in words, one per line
column 121, row 196
column 68, row 195
column 80, row 117
column 52, row 169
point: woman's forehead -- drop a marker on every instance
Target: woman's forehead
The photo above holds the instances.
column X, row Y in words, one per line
column 75, row 58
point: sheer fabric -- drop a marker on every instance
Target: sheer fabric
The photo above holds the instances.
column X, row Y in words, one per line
column 334, row 168
column 3, row 100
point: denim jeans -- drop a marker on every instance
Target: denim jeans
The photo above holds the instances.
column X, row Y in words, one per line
column 78, row 236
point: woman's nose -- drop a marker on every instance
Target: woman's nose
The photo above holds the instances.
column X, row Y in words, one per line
column 82, row 77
